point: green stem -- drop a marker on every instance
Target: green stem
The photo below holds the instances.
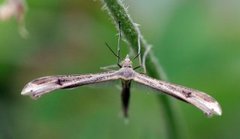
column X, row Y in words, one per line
column 131, row 33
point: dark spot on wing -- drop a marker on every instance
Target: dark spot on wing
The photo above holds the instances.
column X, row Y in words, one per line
column 160, row 83
column 187, row 94
column 59, row 82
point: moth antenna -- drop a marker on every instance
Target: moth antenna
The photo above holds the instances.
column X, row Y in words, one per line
column 111, row 49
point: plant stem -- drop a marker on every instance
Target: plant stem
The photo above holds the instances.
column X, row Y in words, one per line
column 131, row 33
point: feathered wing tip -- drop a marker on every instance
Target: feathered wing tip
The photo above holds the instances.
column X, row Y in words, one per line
column 206, row 103
column 40, row 86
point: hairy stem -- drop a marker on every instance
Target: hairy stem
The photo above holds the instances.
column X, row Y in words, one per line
column 131, row 33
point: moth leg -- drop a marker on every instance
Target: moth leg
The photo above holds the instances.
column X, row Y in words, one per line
column 109, row 68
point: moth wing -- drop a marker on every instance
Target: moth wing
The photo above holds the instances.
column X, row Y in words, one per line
column 197, row 98
column 44, row 85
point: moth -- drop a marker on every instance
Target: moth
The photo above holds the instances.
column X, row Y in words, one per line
column 127, row 74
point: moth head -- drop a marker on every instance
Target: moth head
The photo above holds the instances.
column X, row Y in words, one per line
column 127, row 63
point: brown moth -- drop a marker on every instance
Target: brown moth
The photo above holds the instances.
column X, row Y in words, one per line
column 126, row 74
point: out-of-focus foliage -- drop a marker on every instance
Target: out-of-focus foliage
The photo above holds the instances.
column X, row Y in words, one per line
column 197, row 42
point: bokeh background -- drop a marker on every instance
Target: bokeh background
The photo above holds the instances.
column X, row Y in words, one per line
column 197, row 42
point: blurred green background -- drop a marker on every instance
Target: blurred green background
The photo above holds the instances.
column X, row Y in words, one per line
column 197, row 42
